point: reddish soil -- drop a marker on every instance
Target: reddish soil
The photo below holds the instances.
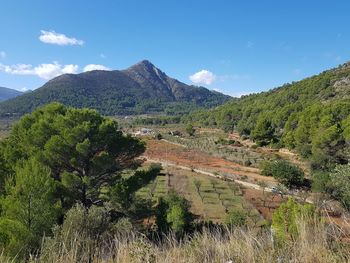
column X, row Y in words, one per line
column 164, row 151
column 265, row 203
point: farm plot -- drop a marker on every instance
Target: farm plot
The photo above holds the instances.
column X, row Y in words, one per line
column 155, row 189
column 160, row 150
column 211, row 199
column 209, row 143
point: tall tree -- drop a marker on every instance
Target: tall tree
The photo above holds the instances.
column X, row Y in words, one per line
column 84, row 150
column 263, row 131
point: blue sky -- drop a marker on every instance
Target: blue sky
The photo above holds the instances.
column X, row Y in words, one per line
column 237, row 47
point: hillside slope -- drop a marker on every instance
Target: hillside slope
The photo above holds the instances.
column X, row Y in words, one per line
column 142, row 88
column 6, row 93
column 311, row 116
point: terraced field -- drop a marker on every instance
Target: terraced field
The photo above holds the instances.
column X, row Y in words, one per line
column 160, row 150
column 211, row 199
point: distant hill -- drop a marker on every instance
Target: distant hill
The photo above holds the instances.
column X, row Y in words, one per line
column 142, row 88
column 6, row 93
column 311, row 116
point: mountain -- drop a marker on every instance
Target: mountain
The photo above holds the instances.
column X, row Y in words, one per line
column 311, row 116
column 6, row 93
column 142, row 88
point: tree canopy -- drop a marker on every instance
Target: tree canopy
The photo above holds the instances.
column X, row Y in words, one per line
column 310, row 116
column 83, row 150
column 54, row 159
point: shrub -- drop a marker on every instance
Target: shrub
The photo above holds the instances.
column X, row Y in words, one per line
column 286, row 219
column 247, row 163
column 173, row 213
column 339, row 184
column 122, row 226
column 81, row 230
column 266, row 168
column 159, row 136
column 320, row 181
column 236, row 218
column 284, row 172
column 254, row 146
column 190, row 129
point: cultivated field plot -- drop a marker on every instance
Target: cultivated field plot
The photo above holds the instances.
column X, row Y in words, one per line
column 160, row 150
column 208, row 143
column 210, row 198
column 155, row 189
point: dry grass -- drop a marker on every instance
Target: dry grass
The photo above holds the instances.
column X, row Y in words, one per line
column 314, row 245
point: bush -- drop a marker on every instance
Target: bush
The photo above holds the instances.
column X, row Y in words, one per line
column 320, row 181
column 159, row 136
column 122, row 226
column 266, row 168
column 286, row 218
column 173, row 212
column 89, row 223
column 284, row 172
column 81, row 230
column 339, row 184
column 247, row 163
column 236, row 218
column 190, row 129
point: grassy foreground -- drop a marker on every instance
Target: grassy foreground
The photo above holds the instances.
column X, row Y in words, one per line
column 314, row 244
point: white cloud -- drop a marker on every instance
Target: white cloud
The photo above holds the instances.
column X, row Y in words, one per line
column 49, row 71
column 102, row 55
column 90, row 67
column 2, row 54
column 51, row 37
column 24, row 89
column 203, row 77
column 44, row 71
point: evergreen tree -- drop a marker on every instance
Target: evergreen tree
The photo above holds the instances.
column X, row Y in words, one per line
column 83, row 150
column 29, row 208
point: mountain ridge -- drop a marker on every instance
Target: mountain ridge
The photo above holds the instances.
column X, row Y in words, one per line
column 7, row 93
column 141, row 88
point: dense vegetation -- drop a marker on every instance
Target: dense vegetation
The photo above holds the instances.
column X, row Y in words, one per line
column 55, row 158
column 69, row 180
column 311, row 116
column 142, row 88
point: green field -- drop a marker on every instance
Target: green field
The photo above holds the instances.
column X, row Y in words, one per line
column 211, row 199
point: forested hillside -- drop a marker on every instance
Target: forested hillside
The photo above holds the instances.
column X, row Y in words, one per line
column 311, row 116
column 142, row 88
